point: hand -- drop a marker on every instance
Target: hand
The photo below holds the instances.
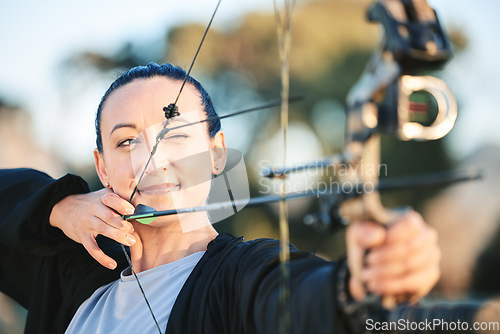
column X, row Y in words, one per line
column 403, row 259
column 83, row 217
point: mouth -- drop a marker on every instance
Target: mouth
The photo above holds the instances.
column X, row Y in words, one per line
column 160, row 189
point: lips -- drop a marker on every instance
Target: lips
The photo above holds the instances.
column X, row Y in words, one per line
column 160, row 189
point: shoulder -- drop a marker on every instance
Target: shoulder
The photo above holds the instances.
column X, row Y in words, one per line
column 259, row 253
column 227, row 245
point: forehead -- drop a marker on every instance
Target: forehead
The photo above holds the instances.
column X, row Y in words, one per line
column 142, row 101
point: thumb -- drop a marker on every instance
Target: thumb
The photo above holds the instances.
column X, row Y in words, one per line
column 361, row 236
column 369, row 234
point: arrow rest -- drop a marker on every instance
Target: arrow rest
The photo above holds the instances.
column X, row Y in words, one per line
column 327, row 220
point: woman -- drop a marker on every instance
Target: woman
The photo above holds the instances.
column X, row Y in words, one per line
column 196, row 280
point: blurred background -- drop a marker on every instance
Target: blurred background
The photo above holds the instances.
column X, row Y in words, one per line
column 57, row 58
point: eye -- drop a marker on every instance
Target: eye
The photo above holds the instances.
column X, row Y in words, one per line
column 129, row 142
column 177, row 136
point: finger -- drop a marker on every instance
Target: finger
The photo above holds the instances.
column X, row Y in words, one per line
column 395, row 269
column 118, row 204
column 97, row 226
column 355, row 262
column 110, row 217
column 358, row 238
column 417, row 283
column 405, row 228
column 100, row 227
column 403, row 250
column 93, row 249
column 368, row 234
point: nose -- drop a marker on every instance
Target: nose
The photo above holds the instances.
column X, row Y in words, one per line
column 154, row 156
column 158, row 165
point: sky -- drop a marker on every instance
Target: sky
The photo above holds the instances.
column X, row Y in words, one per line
column 36, row 36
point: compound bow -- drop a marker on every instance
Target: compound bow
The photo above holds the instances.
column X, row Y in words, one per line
column 380, row 102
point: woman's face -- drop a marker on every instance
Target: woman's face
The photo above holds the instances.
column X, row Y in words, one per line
column 180, row 172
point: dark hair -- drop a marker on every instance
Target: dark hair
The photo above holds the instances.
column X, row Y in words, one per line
column 151, row 70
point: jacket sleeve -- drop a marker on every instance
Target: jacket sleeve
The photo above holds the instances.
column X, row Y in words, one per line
column 26, row 200
column 312, row 291
column 27, row 197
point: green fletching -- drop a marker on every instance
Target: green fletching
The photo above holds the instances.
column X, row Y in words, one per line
column 147, row 220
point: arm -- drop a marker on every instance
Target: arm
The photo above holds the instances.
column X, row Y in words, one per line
column 92, row 214
column 403, row 259
column 29, row 199
column 26, row 200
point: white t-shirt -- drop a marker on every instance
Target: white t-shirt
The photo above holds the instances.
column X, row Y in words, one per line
column 119, row 307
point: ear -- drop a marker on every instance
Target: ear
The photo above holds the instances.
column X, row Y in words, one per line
column 100, row 167
column 218, row 153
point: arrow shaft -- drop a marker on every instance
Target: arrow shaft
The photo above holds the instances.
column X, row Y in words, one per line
column 426, row 180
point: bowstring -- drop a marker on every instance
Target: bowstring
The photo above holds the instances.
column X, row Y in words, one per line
column 284, row 33
column 161, row 135
column 164, row 130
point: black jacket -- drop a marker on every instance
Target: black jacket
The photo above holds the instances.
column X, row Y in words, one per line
column 233, row 289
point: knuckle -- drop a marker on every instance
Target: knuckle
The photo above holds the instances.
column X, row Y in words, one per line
column 112, row 233
column 383, row 256
column 118, row 235
column 128, row 227
column 394, row 253
column 90, row 246
column 403, row 251
column 384, row 286
column 100, row 227
column 406, row 267
column 398, row 232
column 107, row 198
column 94, row 206
column 108, row 215
column 415, row 223
column 94, row 224
column 433, row 235
column 123, row 205
column 390, row 271
column 116, row 222
column 79, row 236
column 371, row 259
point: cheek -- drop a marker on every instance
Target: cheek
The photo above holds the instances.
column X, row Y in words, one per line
column 195, row 175
column 194, row 169
column 120, row 170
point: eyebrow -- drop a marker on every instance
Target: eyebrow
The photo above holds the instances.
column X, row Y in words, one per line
column 123, row 125
column 176, row 119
